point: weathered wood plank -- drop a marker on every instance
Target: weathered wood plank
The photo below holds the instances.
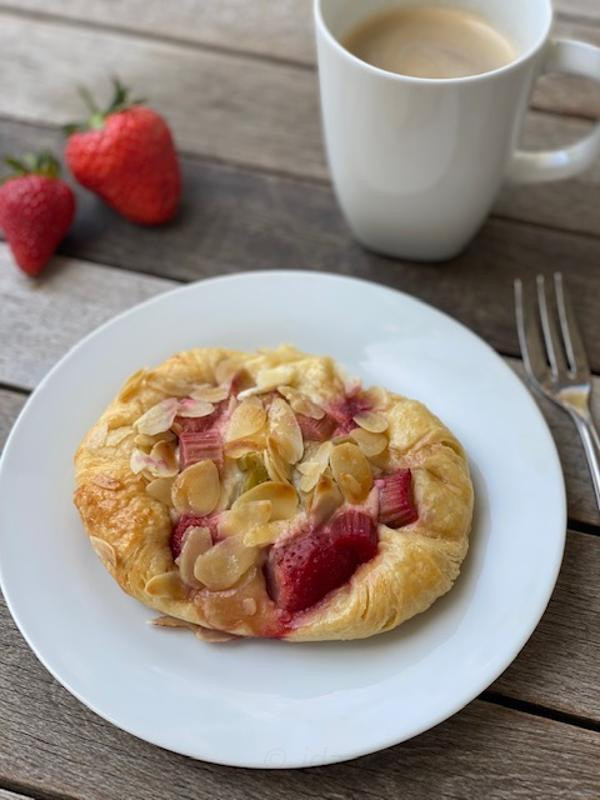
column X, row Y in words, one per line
column 559, row 665
column 10, row 405
column 39, row 325
column 226, row 106
column 231, row 24
column 4, row 795
column 51, row 741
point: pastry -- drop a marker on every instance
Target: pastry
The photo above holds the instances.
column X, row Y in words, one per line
column 264, row 494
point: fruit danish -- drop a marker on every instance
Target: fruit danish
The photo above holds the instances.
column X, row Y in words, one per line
column 262, row 494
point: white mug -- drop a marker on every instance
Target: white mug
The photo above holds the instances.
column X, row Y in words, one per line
column 417, row 163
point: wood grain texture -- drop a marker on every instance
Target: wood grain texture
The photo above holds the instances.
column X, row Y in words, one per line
column 10, row 405
column 225, row 106
column 4, row 795
column 51, row 743
column 39, row 326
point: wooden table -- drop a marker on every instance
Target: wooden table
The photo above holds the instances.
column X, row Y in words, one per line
column 236, row 80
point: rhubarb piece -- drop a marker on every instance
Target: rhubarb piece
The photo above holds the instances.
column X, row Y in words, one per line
column 179, row 532
column 356, row 531
column 196, row 424
column 316, row 430
column 301, row 571
column 350, row 406
column 396, row 505
column 199, row 446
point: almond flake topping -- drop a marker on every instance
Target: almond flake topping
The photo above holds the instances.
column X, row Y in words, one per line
column 301, row 403
column 247, row 419
column 267, row 533
column 285, row 430
column 282, row 496
column 193, row 407
column 269, row 379
column 276, row 467
column 371, row 421
column 161, row 462
column 312, row 469
column 326, row 499
column 159, row 418
column 210, row 394
column 371, row 444
column 105, row 551
column 197, row 488
column 352, row 472
column 117, row 435
column 224, row 564
column 245, row 517
column 167, row 584
column 107, row 482
column 213, row 636
column 197, row 541
column 160, row 489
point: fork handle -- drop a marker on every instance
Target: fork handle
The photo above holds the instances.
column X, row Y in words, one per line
column 591, row 445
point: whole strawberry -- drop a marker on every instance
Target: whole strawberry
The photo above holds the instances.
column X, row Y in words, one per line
column 126, row 155
column 36, row 210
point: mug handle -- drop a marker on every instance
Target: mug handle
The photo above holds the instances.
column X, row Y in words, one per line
column 575, row 58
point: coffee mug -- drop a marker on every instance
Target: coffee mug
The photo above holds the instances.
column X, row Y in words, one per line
column 417, row 163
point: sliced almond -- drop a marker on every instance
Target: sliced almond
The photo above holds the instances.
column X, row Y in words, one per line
column 164, row 458
column 277, row 468
column 169, row 386
column 96, row 438
column 197, row 488
column 242, row 447
column 312, row 469
column 117, row 435
column 224, row 564
column 326, row 499
column 284, row 428
column 160, row 489
column 269, row 379
column 352, row 472
column 172, row 622
column 159, row 418
column 105, row 552
column 192, row 407
column 107, row 482
column 249, row 606
column 167, row 584
column 238, row 520
column 211, row 394
column 371, row 421
column 377, row 397
column 282, row 496
column 247, row 419
column 267, row 533
column 301, row 403
column 371, row 444
column 212, row 636
column 197, row 541
column 147, row 442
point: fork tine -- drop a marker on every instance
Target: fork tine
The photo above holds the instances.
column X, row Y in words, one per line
column 554, row 348
column 530, row 340
column 574, row 346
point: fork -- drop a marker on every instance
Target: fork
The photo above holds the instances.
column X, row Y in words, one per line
column 555, row 360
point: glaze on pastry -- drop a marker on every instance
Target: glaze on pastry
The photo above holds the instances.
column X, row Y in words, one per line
column 261, row 494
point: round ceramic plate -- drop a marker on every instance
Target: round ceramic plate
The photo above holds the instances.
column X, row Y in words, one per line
column 261, row 703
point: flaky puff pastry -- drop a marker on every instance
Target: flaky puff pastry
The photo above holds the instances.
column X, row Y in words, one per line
column 132, row 532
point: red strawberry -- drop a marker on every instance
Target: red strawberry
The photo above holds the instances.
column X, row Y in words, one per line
column 36, row 210
column 302, row 571
column 396, row 504
column 126, row 155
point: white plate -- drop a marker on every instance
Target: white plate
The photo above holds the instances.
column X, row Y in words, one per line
column 265, row 703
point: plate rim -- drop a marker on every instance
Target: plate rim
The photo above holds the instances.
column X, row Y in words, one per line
column 450, row 710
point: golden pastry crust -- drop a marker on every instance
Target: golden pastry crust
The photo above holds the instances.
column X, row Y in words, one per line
column 131, row 531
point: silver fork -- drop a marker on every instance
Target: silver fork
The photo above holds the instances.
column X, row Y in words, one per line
column 555, row 360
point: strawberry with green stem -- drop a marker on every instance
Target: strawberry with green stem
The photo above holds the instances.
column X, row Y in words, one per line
column 126, row 155
column 36, row 210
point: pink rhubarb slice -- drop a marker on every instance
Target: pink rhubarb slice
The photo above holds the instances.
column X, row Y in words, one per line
column 197, row 446
column 316, row 430
column 396, row 504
